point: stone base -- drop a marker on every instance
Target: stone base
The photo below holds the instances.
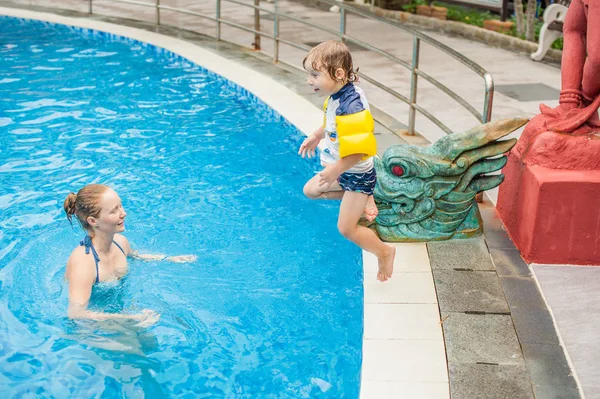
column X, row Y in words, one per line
column 552, row 216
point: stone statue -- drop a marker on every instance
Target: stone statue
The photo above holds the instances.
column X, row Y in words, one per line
column 429, row 193
column 580, row 75
column 549, row 202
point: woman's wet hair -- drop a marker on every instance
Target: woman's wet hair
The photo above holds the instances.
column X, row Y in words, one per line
column 84, row 204
column 330, row 56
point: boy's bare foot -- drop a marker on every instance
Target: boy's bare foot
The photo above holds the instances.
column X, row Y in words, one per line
column 386, row 265
column 371, row 210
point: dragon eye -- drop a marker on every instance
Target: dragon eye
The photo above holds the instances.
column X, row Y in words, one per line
column 398, row 170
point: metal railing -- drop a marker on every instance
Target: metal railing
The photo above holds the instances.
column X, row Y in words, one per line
column 413, row 67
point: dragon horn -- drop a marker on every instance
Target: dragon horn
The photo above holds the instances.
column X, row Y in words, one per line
column 490, row 150
column 451, row 146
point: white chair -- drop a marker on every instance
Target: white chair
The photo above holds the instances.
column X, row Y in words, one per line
column 554, row 16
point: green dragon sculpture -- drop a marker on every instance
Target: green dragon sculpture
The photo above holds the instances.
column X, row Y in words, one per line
column 428, row 193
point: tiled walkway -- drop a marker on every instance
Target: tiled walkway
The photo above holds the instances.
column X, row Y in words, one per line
column 403, row 346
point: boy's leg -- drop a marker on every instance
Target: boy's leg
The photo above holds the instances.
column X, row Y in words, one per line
column 351, row 209
column 313, row 191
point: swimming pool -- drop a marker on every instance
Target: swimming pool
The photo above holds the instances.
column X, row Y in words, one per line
column 273, row 306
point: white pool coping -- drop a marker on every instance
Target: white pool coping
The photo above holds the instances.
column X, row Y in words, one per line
column 403, row 347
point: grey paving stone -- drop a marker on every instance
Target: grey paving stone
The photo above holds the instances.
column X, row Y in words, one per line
column 474, row 291
column 470, row 253
column 534, row 326
column 498, row 239
column 508, row 262
column 481, row 338
column 468, row 381
column 585, row 359
column 577, row 327
column 591, row 392
column 529, row 91
column 548, row 366
column 569, row 286
column 556, row 392
column 522, row 292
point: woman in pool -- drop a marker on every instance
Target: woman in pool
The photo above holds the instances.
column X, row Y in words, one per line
column 102, row 255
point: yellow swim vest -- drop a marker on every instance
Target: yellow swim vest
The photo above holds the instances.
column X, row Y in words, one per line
column 355, row 133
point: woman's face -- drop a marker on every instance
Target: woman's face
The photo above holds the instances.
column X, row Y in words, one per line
column 112, row 214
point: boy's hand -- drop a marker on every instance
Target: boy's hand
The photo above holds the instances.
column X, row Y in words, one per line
column 329, row 175
column 309, row 146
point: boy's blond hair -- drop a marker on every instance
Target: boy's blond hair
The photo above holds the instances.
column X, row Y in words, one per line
column 331, row 56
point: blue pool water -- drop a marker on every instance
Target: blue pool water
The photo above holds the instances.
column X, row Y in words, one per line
column 272, row 308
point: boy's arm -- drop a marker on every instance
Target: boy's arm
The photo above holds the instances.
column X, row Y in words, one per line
column 320, row 133
column 310, row 143
column 347, row 162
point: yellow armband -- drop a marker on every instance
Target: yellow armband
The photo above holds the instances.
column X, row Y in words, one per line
column 355, row 134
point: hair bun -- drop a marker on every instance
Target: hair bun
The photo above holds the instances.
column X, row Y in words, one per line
column 69, row 205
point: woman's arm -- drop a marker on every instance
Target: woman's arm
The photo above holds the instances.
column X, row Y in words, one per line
column 81, row 277
column 144, row 319
column 124, row 243
column 159, row 257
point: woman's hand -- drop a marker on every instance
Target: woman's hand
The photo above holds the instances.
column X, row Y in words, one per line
column 182, row 258
column 147, row 318
column 148, row 257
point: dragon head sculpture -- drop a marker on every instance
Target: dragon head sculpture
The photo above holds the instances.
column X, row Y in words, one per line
column 428, row 193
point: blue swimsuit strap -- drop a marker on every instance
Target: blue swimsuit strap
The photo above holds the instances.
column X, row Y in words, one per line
column 87, row 243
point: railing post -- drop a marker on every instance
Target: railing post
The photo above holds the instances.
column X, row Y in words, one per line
column 157, row 12
column 489, row 97
column 413, row 85
column 342, row 23
column 218, row 20
column 90, row 7
column 276, row 32
column 256, row 25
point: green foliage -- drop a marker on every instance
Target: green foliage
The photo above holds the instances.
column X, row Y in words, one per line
column 470, row 16
column 412, row 6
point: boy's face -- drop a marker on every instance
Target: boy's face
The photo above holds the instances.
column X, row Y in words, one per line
column 321, row 82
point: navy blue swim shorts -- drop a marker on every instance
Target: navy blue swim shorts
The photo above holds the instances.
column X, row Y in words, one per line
column 359, row 182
